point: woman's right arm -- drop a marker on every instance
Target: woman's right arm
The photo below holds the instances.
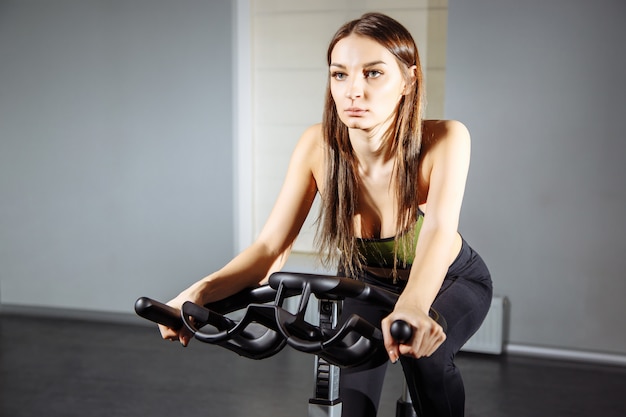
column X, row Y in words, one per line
column 253, row 265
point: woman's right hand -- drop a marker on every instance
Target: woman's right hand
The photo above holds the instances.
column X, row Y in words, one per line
column 183, row 335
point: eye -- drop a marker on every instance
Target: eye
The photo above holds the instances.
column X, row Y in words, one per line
column 373, row 74
column 339, row 76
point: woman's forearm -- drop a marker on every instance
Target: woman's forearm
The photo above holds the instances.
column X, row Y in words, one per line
column 248, row 269
column 432, row 259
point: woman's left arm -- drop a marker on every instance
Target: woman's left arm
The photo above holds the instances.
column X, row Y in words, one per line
column 447, row 163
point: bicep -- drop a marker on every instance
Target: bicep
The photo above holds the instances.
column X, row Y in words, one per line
column 448, row 176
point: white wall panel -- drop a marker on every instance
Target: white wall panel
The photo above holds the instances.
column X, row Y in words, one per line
column 289, row 96
column 289, row 42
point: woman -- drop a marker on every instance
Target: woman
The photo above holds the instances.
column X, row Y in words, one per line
column 392, row 185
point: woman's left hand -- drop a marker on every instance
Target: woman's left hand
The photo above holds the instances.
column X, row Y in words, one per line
column 427, row 336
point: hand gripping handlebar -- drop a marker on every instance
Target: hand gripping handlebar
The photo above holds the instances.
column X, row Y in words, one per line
column 266, row 325
column 247, row 337
column 351, row 342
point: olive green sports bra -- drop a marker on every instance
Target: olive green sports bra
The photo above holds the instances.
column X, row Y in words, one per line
column 378, row 253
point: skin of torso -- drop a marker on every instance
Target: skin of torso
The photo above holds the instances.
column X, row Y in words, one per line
column 376, row 214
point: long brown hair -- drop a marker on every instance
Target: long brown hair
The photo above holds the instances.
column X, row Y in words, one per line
column 335, row 232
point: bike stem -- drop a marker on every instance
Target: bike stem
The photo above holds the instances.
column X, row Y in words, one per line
column 326, row 401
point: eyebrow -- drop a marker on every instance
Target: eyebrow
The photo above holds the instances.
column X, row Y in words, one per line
column 369, row 64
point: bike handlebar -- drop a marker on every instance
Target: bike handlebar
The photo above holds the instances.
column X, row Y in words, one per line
column 158, row 312
column 246, row 338
column 266, row 326
column 401, row 331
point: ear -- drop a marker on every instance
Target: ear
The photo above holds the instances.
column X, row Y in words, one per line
column 412, row 72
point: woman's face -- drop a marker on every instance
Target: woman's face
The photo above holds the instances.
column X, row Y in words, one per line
column 366, row 83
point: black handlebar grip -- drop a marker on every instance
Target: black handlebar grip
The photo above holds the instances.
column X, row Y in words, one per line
column 401, row 331
column 158, row 312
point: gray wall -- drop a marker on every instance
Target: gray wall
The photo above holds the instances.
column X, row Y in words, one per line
column 116, row 154
column 541, row 86
column 115, row 149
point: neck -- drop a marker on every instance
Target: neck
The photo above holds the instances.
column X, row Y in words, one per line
column 372, row 148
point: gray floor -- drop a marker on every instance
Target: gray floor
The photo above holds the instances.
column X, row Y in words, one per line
column 78, row 368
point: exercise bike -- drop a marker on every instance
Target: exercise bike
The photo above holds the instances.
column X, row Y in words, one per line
column 259, row 322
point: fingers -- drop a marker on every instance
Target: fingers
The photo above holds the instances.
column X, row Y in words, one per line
column 426, row 340
column 183, row 336
column 392, row 347
column 424, row 344
column 437, row 337
column 167, row 333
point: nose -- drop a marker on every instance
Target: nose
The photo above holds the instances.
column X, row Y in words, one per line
column 355, row 88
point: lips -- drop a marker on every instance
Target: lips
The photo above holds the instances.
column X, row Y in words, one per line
column 355, row 111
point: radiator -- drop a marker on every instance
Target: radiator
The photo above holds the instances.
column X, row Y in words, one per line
column 491, row 335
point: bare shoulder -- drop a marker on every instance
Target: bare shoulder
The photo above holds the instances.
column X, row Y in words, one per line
column 445, row 145
column 309, row 151
column 444, row 133
column 311, row 142
column 313, row 135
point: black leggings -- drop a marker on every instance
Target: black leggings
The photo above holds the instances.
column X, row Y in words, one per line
column 435, row 383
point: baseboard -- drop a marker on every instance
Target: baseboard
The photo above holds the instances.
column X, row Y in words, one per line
column 566, row 354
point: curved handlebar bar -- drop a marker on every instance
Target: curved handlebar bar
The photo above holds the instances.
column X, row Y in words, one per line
column 266, row 326
column 244, row 337
column 348, row 344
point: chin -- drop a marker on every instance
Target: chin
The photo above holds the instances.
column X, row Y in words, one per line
column 354, row 124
